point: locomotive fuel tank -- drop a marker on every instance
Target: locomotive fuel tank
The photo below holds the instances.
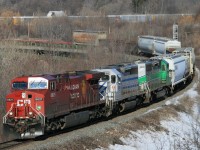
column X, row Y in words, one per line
column 156, row 45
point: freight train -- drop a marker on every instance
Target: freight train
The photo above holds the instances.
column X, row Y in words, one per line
column 39, row 104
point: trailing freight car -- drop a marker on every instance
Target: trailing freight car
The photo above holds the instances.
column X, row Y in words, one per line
column 189, row 55
column 177, row 68
column 156, row 45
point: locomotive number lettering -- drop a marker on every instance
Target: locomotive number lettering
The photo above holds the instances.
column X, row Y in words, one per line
column 73, row 87
column 21, row 102
column 53, row 94
column 74, row 95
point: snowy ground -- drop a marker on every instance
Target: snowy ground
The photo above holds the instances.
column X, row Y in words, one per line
column 180, row 132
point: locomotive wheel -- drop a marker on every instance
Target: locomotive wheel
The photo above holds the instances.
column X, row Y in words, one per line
column 168, row 92
column 139, row 100
column 140, row 54
column 121, row 107
column 152, row 98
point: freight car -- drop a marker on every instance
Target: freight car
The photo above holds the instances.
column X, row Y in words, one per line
column 43, row 103
column 153, row 45
column 189, row 55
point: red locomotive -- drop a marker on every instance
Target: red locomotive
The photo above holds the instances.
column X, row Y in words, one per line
column 42, row 103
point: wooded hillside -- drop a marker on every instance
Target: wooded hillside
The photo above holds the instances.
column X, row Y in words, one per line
column 99, row 7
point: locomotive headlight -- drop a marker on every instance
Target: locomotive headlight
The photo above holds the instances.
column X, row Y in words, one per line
column 30, row 113
column 10, row 99
column 113, row 87
column 11, row 113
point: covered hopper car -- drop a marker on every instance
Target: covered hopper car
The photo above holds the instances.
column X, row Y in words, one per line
column 156, row 45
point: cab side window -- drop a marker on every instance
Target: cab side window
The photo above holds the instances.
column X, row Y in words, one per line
column 52, row 86
column 164, row 68
column 113, row 78
column 148, row 67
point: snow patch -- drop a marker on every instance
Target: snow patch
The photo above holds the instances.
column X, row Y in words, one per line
column 192, row 93
column 176, row 133
column 152, row 110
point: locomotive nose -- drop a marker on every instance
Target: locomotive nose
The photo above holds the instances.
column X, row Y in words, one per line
column 21, row 105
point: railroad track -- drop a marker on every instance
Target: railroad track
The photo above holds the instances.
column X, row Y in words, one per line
column 10, row 144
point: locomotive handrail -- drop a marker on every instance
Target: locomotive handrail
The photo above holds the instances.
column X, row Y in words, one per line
column 93, row 92
column 5, row 117
column 101, row 94
column 110, row 102
column 39, row 114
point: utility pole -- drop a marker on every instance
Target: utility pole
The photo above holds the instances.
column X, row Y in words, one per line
column 28, row 30
column 175, row 31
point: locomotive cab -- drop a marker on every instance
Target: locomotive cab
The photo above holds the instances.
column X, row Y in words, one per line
column 120, row 81
column 24, row 105
column 109, row 83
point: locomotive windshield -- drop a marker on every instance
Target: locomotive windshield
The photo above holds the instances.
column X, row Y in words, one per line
column 105, row 78
column 38, row 85
column 35, row 83
column 19, row 85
